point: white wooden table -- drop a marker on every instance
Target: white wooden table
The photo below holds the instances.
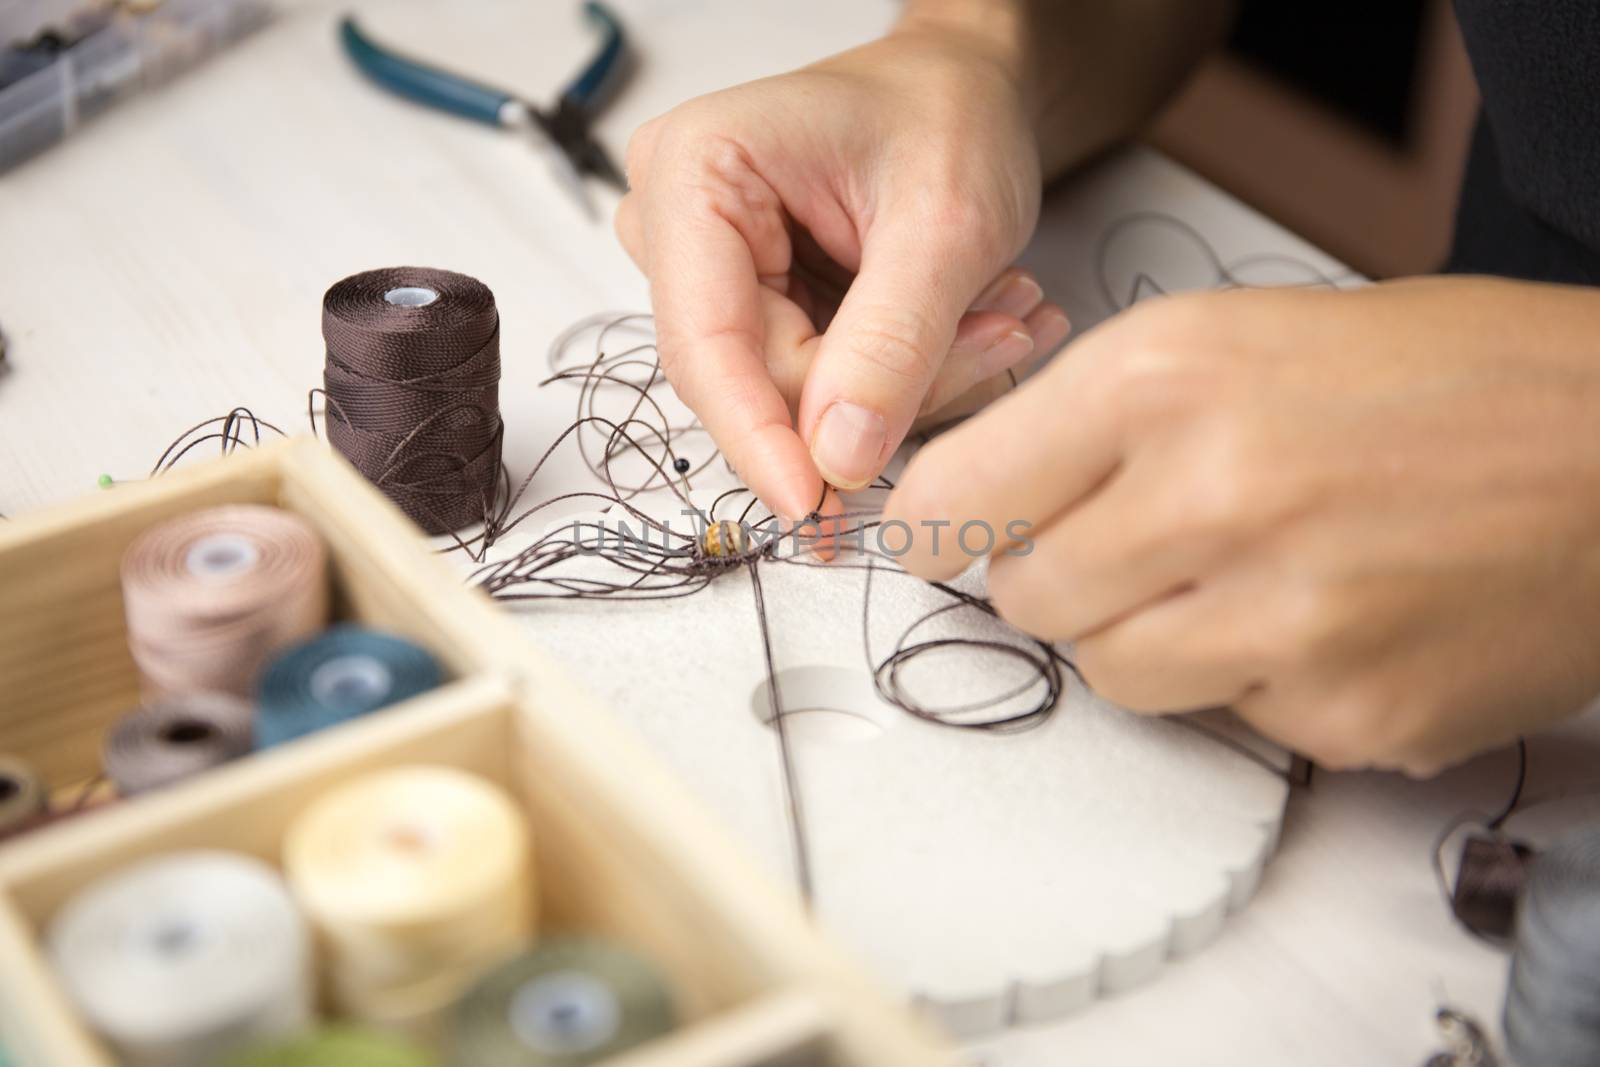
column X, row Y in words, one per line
column 168, row 263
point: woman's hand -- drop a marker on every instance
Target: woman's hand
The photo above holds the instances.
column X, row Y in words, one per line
column 826, row 252
column 1370, row 520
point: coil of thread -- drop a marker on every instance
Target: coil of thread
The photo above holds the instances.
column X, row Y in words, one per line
column 23, row 797
column 570, row 1002
column 178, row 960
column 169, row 740
column 1492, row 873
column 344, row 673
column 209, row 596
column 1552, row 1010
column 412, row 381
column 333, row 1047
column 417, row 879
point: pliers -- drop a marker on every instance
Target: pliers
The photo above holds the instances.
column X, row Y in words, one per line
column 564, row 131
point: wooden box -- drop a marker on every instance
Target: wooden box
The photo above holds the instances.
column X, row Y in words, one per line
column 621, row 849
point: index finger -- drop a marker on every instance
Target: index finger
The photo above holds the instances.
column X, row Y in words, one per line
column 1010, row 470
column 705, row 292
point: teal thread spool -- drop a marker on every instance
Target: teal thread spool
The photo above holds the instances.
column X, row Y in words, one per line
column 333, row 1047
column 345, row 673
column 570, row 1002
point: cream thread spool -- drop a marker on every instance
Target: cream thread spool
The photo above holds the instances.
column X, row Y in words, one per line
column 181, row 959
column 211, row 595
column 417, row 880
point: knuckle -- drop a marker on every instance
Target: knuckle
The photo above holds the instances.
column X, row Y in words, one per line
column 956, row 218
column 1350, row 730
column 1308, row 630
column 641, row 147
column 1226, row 493
column 1174, row 321
column 896, row 345
column 922, row 492
column 1142, row 383
column 726, row 182
column 1013, row 592
column 669, row 356
column 625, row 225
column 1110, row 669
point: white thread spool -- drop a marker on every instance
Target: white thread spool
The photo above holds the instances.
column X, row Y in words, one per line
column 417, row 879
column 179, row 959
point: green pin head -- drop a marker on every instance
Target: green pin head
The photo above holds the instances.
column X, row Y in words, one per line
column 106, row 481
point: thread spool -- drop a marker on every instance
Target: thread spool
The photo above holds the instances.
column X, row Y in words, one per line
column 23, row 796
column 344, row 673
column 570, row 1002
column 412, row 379
column 172, row 739
column 1552, row 1011
column 1491, row 875
column 211, row 595
column 417, row 880
column 180, row 959
column 333, row 1047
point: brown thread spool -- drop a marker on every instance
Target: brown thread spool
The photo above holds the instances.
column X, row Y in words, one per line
column 23, row 797
column 1491, row 876
column 210, row 596
column 173, row 739
column 412, row 381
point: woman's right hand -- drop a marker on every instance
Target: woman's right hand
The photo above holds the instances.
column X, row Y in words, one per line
column 826, row 253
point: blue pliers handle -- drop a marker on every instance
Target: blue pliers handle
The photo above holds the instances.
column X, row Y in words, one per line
column 567, row 124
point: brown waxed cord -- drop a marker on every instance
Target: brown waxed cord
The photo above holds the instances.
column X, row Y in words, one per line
column 413, row 392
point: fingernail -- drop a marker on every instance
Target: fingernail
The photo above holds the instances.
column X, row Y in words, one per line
column 1005, row 353
column 1051, row 331
column 847, row 443
column 1015, row 296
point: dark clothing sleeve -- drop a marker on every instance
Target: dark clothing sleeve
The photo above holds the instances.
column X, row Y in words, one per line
column 1530, row 203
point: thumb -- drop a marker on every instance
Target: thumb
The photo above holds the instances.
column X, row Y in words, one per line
column 883, row 349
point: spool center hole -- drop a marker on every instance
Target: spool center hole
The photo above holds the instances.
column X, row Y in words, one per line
column 412, row 840
column 173, row 938
column 186, row 732
column 565, row 1013
column 351, row 681
column 9, row 788
column 222, row 556
column 411, row 296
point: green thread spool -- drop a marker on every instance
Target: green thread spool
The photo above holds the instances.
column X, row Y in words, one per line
column 333, row 1047
column 571, row 1002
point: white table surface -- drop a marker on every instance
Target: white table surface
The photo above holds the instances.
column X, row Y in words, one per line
column 168, row 263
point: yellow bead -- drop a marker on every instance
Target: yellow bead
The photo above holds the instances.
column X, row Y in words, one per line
column 725, row 540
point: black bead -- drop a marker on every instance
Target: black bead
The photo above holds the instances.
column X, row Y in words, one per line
column 681, row 465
